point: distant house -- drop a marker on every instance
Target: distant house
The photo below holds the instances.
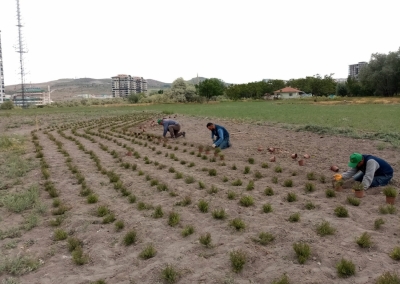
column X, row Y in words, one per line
column 288, row 93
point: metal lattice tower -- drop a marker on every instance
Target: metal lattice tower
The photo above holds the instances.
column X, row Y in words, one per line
column 21, row 51
column 2, row 87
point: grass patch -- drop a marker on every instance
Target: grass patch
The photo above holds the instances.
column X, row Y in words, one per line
column 237, row 182
column 302, row 251
column 59, row 235
column 119, row 225
column 364, row 240
column 201, row 185
column 378, row 223
column 345, row 268
column 291, row 197
column 395, row 253
column 19, row 265
column 278, row 169
column 353, row 200
column 219, row 214
column 283, row 280
column 158, row 212
column 169, row 274
column 102, row 211
column 109, row 218
column 330, row 193
column 264, row 238
column 387, row 209
column 267, row 208
column 18, row 202
column 187, row 231
column 203, row 206
column 212, row 190
column 311, row 176
column 78, row 257
column 295, row 217
column 238, row 224
column 268, row 191
column 309, row 187
column 309, row 205
column 130, row 238
column 189, row 180
column 148, row 252
column 73, row 243
column 250, row 186
column 92, row 198
column 341, row 212
column 246, row 201
column 388, row 278
column 325, row 229
column 238, row 260
column 231, row 194
column 246, row 170
column 205, row 240
column 173, row 219
column 212, row 172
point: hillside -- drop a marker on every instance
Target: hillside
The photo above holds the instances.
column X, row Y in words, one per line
column 65, row 89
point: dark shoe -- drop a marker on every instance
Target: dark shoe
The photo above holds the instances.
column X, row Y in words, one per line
column 183, row 134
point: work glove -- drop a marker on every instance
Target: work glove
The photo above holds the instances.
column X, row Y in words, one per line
column 213, row 145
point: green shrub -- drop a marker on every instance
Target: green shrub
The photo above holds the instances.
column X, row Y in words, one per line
column 238, row 224
column 288, row 183
column 311, row 176
column 173, row 219
column 205, row 239
column 188, row 230
column 268, row 191
column 345, row 268
column 267, row 208
column 295, row 217
column 264, row 238
column 130, row 238
column 78, row 257
column 169, row 274
column 246, row 201
column 353, row 200
column 60, row 234
column 302, row 251
column 395, row 254
column 219, row 214
column 330, row 193
column 237, row 182
column 158, row 212
column 341, row 212
column 388, row 278
column 378, row 223
column 238, row 260
column 309, row 205
column 250, row 186
column 148, row 252
column 291, row 197
column 246, row 170
column 203, row 206
column 325, row 228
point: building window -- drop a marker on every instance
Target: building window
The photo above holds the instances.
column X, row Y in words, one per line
column 290, row 94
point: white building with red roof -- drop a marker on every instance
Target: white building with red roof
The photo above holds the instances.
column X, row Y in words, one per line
column 288, row 93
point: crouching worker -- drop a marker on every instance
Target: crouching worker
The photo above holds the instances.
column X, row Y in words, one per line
column 172, row 126
column 371, row 171
column 219, row 135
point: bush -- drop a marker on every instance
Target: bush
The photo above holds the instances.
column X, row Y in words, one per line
column 325, row 228
column 130, row 238
column 395, row 254
column 238, row 224
column 378, row 223
column 148, row 252
column 353, row 200
column 390, row 191
column 302, row 251
column 345, row 268
column 205, row 240
column 169, row 274
column 388, row 278
column 6, row 105
column 246, row 201
column 238, row 260
column 341, row 212
column 264, row 238
column 291, row 197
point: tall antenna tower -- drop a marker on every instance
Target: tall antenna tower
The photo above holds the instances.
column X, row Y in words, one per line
column 2, row 87
column 21, row 51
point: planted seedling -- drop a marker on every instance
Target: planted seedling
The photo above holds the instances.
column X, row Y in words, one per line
column 246, row 201
column 237, row 182
column 309, row 187
column 268, row 191
column 364, row 240
column 330, row 193
column 311, row 176
column 288, row 183
column 267, row 208
column 201, row 185
column 274, row 180
column 212, row 172
column 309, row 205
column 291, row 197
column 219, row 214
column 246, row 170
column 119, row 225
column 302, row 251
column 278, row 169
column 264, row 165
column 378, row 223
column 234, row 167
column 203, row 206
column 173, row 219
column 238, row 224
column 231, row 195
column 257, row 175
column 158, row 212
column 345, row 268
column 212, row 190
column 395, row 254
column 264, row 238
column 251, row 161
column 250, row 186
column 325, row 228
column 295, row 217
column 353, row 201
column 188, row 230
column 238, row 260
column 341, row 212
column 205, row 240
column 130, row 238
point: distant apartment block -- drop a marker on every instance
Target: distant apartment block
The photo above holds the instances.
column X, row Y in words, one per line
column 124, row 85
column 354, row 69
column 2, row 86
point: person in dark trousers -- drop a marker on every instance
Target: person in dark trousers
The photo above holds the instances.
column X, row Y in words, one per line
column 172, row 126
column 219, row 135
column 371, row 171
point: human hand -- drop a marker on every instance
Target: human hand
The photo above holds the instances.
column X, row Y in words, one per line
column 213, row 145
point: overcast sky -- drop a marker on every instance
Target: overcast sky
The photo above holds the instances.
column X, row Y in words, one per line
column 236, row 41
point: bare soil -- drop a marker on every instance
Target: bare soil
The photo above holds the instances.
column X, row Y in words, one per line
column 114, row 262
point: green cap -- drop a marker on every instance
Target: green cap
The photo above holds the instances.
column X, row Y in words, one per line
column 355, row 158
column 159, row 121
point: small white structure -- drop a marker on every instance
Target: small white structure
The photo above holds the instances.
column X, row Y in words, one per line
column 288, row 93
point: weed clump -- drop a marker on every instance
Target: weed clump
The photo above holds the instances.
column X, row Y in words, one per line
column 353, row 200
column 188, row 230
column 173, row 219
column 237, row 182
column 60, row 234
column 341, row 212
column 205, row 240
column 291, row 197
column 238, row 224
column 246, row 201
column 264, row 238
column 309, row 205
column 238, row 260
column 345, row 268
column 130, row 238
column 148, row 252
column 325, row 228
column 169, row 274
column 378, row 223
column 330, row 193
column 295, row 217
column 302, row 251
column 288, row 183
column 309, row 187
column 395, row 254
column 364, row 240
column 203, row 206
column 250, row 186
column 388, row 278
column 219, row 214
column 267, row 208
column 268, row 191
column 231, row 195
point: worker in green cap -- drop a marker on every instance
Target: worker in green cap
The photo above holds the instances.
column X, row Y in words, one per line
column 172, row 126
column 371, row 171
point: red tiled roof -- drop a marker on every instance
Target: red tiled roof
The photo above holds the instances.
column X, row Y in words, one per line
column 287, row 90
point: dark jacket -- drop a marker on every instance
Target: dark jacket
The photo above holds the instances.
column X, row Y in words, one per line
column 221, row 133
column 384, row 168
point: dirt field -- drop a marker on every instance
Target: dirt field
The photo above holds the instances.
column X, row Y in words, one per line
column 136, row 193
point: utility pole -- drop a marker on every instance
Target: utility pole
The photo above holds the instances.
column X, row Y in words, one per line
column 2, row 87
column 21, row 51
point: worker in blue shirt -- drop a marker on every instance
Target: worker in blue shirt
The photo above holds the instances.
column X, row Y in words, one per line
column 219, row 135
column 172, row 126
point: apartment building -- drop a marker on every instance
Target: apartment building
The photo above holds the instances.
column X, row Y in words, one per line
column 124, row 85
column 354, row 69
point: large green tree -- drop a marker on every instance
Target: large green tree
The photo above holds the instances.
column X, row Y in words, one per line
column 382, row 74
column 211, row 88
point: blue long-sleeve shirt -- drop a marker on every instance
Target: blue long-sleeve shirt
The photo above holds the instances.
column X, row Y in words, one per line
column 221, row 133
column 166, row 123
